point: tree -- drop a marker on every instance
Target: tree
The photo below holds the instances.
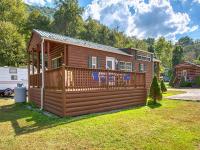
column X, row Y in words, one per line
column 67, row 19
column 185, row 41
column 12, row 45
column 139, row 44
column 163, row 87
column 155, row 91
column 177, row 55
column 163, row 51
column 37, row 21
column 151, row 48
column 14, row 11
column 91, row 30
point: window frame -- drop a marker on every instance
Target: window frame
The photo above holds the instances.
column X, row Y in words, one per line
column 129, row 69
column 56, row 59
column 141, row 67
column 125, row 66
column 14, row 79
column 124, row 63
column 94, row 63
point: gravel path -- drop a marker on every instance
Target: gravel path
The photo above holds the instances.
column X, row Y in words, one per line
column 190, row 95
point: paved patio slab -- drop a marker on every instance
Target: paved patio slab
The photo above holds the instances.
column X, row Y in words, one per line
column 190, row 95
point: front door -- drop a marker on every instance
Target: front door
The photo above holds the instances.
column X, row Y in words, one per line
column 110, row 63
column 184, row 74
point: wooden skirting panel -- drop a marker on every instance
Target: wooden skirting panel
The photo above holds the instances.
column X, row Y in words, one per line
column 53, row 102
column 34, row 95
column 79, row 103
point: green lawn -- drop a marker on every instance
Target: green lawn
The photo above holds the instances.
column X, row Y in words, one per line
column 170, row 125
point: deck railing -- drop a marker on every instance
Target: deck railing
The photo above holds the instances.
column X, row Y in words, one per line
column 84, row 79
column 35, row 80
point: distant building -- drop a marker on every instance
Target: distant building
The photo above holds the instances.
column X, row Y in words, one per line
column 187, row 70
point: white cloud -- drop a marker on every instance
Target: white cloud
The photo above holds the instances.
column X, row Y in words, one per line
column 39, row 2
column 138, row 18
column 196, row 1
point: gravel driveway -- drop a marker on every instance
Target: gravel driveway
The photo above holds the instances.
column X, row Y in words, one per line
column 191, row 95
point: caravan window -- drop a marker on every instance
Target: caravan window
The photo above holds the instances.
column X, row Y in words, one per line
column 13, row 70
column 13, row 77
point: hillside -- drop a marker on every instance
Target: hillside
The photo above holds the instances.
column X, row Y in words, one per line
column 47, row 11
column 192, row 51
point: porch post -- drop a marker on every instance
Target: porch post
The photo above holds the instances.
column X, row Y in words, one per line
column 43, row 74
column 33, row 61
column 65, row 54
column 49, row 56
column 63, row 89
column 28, row 76
column 38, row 60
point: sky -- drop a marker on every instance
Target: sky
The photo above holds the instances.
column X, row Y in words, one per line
column 143, row 18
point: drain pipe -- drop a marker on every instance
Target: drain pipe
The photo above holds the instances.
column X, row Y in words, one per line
column 43, row 69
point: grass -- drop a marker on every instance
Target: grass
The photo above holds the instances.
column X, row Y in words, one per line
column 172, row 92
column 167, row 85
column 168, row 125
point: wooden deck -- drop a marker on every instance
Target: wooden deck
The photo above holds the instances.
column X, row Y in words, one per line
column 73, row 91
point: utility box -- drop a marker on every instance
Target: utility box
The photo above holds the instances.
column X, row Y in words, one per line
column 20, row 93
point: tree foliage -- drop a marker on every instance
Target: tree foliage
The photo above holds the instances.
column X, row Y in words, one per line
column 163, row 87
column 13, row 11
column 12, row 45
column 155, row 90
column 163, row 51
column 67, row 19
column 37, row 21
column 177, row 55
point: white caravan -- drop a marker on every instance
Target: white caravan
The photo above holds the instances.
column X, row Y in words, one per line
column 10, row 76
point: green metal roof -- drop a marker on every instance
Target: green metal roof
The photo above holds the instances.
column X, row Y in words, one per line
column 78, row 42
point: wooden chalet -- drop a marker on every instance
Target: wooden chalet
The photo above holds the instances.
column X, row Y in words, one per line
column 71, row 77
column 187, row 70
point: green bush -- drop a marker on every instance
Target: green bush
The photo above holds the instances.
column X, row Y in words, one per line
column 171, row 82
column 184, row 83
column 163, row 87
column 155, row 91
column 197, row 81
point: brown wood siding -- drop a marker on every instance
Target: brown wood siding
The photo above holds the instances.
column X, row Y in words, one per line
column 192, row 72
column 78, row 56
column 56, row 50
column 149, row 70
column 79, row 103
column 34, row 95
column 53, row 102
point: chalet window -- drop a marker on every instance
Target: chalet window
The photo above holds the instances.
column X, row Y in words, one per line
column 56, row 62
column 144, row 57
column 128, row 66
column 125, row 66
column 139, row 57
column 94, row 62
column 122, row 65
column 13, row 77
column 149, row 57
column 141, row 67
